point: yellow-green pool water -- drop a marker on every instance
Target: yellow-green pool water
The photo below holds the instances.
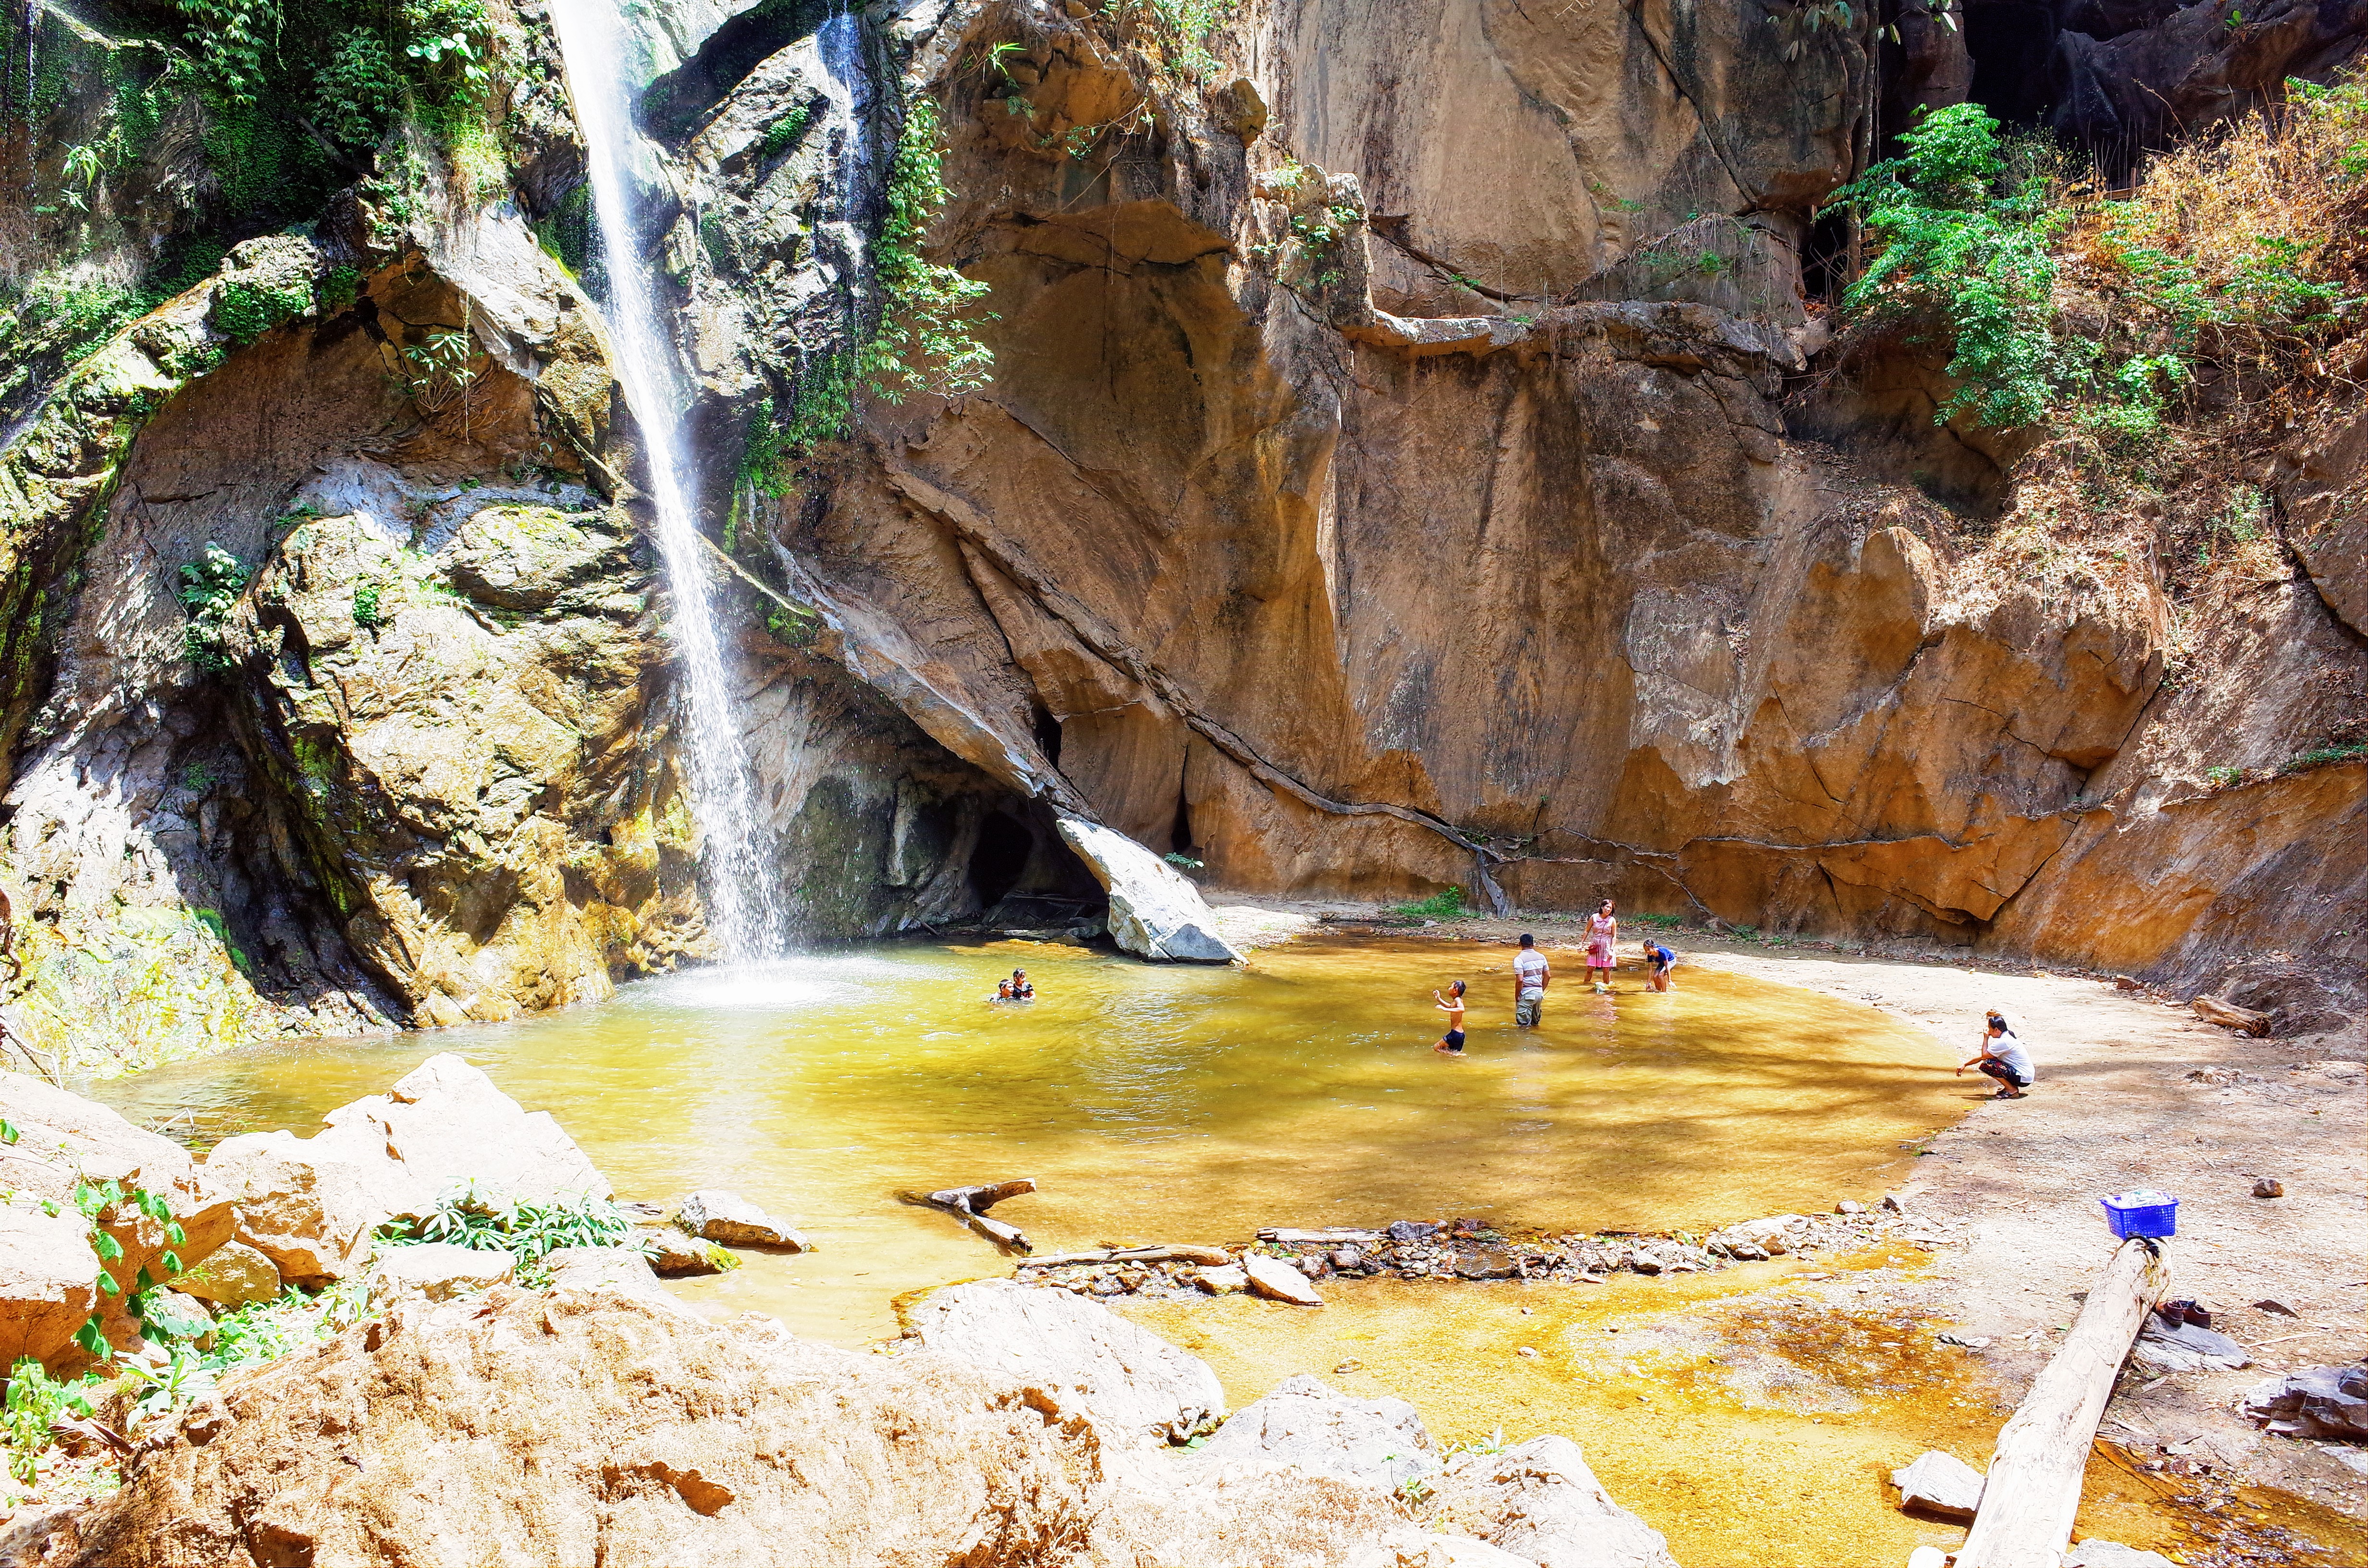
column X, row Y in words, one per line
column 1156, row 1103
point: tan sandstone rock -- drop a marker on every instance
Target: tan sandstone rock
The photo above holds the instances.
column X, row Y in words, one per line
column 715, row 1215
column 436, row 1270
column 310, row 1204
column 235, row 1275
column 586, row 1426
column 1305, row 1425
column 1277, row 1281
column 1085, row 1360
column 1539, row 1501
column 64, row 1140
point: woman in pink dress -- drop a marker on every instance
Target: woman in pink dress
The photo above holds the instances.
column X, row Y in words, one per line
column 1602, row 930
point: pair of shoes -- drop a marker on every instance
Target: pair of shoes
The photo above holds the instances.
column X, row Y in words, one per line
column 2008, row 1094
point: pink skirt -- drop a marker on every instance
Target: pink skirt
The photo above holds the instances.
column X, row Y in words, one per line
column 1599, row 953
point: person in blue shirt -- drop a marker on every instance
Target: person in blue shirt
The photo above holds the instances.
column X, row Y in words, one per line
column 1661, row 961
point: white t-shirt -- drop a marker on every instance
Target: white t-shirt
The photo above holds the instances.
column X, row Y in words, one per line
column 1529, row 970
column 2008, row 1050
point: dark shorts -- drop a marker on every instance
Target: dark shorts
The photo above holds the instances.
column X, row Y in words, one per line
column 2003, row 1074
column 1455, row 1040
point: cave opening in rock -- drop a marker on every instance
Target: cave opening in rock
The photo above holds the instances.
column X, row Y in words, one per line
column 1048, row 735
column 996, row 864
column 1180, row 833
column 1825, row 259
column 2010, row 42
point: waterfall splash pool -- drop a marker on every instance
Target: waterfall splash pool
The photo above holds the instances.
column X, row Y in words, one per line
column 1153, row 1104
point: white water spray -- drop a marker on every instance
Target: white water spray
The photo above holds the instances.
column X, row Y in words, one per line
column 742, row 907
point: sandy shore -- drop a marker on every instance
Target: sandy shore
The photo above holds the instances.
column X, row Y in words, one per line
column 2133, row 1092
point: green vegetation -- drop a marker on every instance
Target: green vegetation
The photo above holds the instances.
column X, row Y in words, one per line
column 916, row 334
column 369, row 613
column 2058, row 305
column 528, row 1232
column 1182, row 862
column 2326, row 755
column 247, row 309
column 1665, row 922
column 209, row 589
column 1447, row 904
column 783, row 134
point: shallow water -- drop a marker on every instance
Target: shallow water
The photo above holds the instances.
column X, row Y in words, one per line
column 1156, row 1103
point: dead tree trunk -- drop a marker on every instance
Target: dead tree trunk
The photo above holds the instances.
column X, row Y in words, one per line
column 968, row 1204
column 2034, row 1488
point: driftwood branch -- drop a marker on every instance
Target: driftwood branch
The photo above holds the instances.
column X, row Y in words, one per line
column 968, row 1204
column 2034, row 1488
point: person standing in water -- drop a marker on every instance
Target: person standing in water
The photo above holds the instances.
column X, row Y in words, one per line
column 1662, row 959
column 1602, row 930
column 1532, row 975
column 2003, row 1058
column 1452, row 1044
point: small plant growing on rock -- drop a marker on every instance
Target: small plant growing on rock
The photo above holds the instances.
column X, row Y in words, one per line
column 209, row 589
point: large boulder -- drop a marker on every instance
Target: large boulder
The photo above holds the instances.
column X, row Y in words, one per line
column 1082, row 1359
column 1539, row 1501
column 310, row 1204
column 448, row 1124
column 1377, row 1443
column 591, row 1426
column 1154, row 910
column 48, row 1271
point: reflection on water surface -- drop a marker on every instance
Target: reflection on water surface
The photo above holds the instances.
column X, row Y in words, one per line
column 1156, row 1103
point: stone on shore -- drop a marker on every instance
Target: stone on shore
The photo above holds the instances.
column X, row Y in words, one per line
column 1278, row 1280
column 713, row 1214
column 1221, row 1281
column 1539, row 1501
column 1939, row 1483
column 584, row 1426
column 1378, row 1443
column 235, row 1276
column 1084, row 1360
column 310, row 1204
column 48, row 1268
column 674, row 1252
column 448, row 1124
column 436, row 1270
column 2325, row 1402
column 1155, row 912
column 2186, row 1348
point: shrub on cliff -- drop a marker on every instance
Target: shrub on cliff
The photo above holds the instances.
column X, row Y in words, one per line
column 2058, row 303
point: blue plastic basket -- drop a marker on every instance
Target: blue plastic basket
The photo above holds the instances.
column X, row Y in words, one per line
column 2142, row 1213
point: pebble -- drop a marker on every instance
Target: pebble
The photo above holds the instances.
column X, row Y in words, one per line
column 2268, row 1186
column 1849, row 1206
column 1528, row 1350
column 1345, row 1367
column 2272, row 1304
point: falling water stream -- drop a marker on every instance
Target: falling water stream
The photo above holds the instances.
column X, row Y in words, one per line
column 742, row 907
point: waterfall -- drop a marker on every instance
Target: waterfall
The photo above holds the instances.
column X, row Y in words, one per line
column 601, row 67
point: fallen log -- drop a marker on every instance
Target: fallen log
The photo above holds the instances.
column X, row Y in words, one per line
column 2033, row 1487
column 1341, row 1235
column 969, row 1205
column 1165, row 1252
column 2213, row 1010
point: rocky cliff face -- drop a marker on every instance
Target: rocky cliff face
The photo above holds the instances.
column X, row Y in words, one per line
column 1395, row 472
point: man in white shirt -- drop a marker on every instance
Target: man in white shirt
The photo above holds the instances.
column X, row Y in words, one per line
column 1532, row 975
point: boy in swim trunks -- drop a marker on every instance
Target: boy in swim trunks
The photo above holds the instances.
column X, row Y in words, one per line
column 1452, row 1044
column 1662, row 960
